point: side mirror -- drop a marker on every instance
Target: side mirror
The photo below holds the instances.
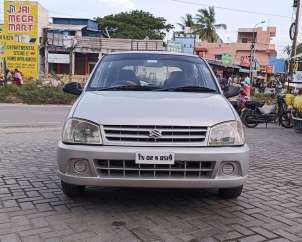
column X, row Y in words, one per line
column 73, row 88
column 231, row 91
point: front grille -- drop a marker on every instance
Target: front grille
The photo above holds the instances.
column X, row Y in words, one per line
column 175, row 135
column 128, row 168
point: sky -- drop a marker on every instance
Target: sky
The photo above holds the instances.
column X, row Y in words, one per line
column 233, row 13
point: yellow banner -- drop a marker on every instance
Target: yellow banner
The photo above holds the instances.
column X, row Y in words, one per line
column 2, row 48
column 21, row 37
column 2, row 43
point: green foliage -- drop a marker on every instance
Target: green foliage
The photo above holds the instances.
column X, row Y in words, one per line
column 187, row 21
column 31, row 93
column 205, row 26
column 264, row 98
column 135, row 25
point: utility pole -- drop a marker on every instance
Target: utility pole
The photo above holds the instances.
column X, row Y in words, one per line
column 252, row 61
column 253, row 52
column 297, row 5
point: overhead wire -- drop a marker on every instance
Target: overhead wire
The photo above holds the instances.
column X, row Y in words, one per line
column 232, row 9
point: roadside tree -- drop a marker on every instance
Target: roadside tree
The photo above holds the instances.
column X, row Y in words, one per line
column 136, row 24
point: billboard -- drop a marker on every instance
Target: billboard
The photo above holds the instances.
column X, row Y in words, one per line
column 227, row 59
column 58, row 58
column 297, row 77
column 21, row 37
column 2, row 48
column 174, row 46
column 2, row 43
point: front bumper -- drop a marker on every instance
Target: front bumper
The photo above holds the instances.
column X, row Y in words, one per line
column 239, row 155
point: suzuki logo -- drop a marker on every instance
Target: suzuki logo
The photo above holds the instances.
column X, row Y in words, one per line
column 155, row 134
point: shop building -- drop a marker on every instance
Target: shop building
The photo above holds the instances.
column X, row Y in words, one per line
column 187, row 40
column 240, row 50
column 73, row 46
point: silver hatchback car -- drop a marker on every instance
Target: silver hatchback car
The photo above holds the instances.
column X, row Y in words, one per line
column 153, row 119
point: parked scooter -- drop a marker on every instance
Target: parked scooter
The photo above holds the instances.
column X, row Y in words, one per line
column 255, row 114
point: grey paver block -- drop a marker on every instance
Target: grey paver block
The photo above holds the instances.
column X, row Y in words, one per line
column 253, row 238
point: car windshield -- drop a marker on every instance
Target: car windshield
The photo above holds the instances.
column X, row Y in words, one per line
column 152, row 72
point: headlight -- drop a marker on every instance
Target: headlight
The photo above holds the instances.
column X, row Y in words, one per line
column 227, row 134
column 77, row 131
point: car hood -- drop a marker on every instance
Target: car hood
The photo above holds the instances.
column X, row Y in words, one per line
column 154, row 108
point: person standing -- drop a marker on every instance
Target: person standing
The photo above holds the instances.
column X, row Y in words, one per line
column 9, row 76
column 230, row 81
column 247, row 80
column 247, row 87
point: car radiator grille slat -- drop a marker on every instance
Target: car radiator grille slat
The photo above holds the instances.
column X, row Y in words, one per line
column 128, row 168
column 169, row 135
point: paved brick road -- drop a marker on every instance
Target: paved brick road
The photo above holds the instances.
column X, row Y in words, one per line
column 33, row 208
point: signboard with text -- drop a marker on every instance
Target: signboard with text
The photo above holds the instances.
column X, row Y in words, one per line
column 59, row 58
column 227, row 59
column 269, row 69
column 245, row 61
column 174, row 46
column 2, row 44
column 297, row 78
column 21, row 37
column 2, row 49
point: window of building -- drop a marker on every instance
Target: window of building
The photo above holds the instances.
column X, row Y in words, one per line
column 244, row 40
column 218, row 57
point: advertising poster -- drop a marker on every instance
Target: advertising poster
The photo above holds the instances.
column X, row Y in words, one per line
column 2, row 44
column 21, row 37
column 2, row 48
column 227, row 59
column 297, row 78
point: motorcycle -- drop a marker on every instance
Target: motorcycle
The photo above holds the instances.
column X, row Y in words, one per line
column 253, row 114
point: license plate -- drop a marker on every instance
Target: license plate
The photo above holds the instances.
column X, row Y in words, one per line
column 161, row 158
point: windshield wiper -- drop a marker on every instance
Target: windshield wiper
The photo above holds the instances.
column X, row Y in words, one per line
column 187, row 89
column 127, row 88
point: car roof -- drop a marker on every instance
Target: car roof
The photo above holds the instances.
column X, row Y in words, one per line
column 154, row 52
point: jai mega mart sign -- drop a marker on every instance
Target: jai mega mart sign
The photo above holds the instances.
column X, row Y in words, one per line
column 20, row 38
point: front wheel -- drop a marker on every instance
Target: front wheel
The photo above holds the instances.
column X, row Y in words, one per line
column 71, row 190
column 286, row 120
column 230, row 193
column 250, row 121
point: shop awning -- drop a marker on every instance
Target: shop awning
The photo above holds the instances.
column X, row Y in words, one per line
column 219, row 63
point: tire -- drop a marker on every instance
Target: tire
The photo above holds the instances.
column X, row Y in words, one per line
column 71, row 190
column 230, row 193
column 249, row 121
column 286, row 120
